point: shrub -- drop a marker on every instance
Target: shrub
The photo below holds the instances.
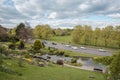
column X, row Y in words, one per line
column 74, row 60
column 1, row 60
column 60, row 62
column 27, row 55
column 37, row 45
column 11, row 46
column 3, row 49
column 66, row 55
column 21, row 45
column 60, row 53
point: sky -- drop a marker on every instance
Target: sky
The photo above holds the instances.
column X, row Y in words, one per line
column 60, row 13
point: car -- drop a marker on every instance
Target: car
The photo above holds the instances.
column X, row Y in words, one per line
column 82, row 47
column 98, row 69
column 74, row 47
column 53, row 43
column 102, row 50
column 67, row 45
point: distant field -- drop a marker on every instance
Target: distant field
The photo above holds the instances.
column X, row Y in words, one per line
column 52, row 72
column 72, row 53
column 62, row 39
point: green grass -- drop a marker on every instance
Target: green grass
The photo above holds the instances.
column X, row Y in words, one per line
column 61, row 39
column 54, row 72
column 72, row 53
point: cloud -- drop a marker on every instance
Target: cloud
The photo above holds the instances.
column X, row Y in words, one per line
column 58, row 13
column 52, row 15
column 84, row 7
column 116, row 15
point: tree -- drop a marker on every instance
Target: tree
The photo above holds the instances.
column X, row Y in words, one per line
column 87, row 35
column 96, row 36
column 115, row 68
column 43, row 32
column 104, row 60
column 77, row 34
column 117, row 37
column 23, row 32
column 3, row 34
column 37, row 45
column 106, row 33
column 59, row 32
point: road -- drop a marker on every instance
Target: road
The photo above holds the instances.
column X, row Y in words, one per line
column 87, row 50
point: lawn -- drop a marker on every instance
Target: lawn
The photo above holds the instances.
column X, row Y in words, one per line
column 53, row 72
column 72, row 53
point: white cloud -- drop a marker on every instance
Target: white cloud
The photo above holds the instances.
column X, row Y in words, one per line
column 52, row 15
column 116, row 15
column 1, row 19
column 84, row 6
column 58, row 13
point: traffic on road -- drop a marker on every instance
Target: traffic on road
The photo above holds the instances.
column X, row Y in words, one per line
column 81, row 49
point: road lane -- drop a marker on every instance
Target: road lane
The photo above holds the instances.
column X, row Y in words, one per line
column 87, row 50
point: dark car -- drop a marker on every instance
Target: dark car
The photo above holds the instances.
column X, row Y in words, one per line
column 54, row 43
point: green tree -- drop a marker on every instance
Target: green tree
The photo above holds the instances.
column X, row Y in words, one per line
column 87, row 35
column 77, row 34
column 59, row 32
column 117, row 36
column 115, row 68
column 96, row 36
column 37, row 45
column 106, row 33
column 104, row 60
column 43, row 32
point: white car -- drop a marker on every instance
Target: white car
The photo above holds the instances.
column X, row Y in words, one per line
column 74, row 47
column 67, row 45
column 102, row 50
column 82, row 47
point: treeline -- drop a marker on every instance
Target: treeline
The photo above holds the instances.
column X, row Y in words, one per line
column 105, row 37
column 22, row 31
column 25, row 32
column 46, row 32
column 108, row 36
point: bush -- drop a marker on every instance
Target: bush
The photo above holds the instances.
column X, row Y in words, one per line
column 21, row 45
column 37, row 45
column 60, row 53
column 74, row 60
column 11, row 46
column 2, row 49
column 1, row 60
column 60, row 62
column 27, row 55
column 66, row 55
